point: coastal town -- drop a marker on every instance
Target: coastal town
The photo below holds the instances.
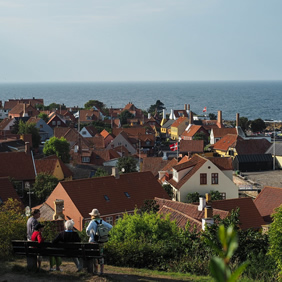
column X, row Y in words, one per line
column 193, row 166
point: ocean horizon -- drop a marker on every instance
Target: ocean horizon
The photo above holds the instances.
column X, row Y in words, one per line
column 251, row 99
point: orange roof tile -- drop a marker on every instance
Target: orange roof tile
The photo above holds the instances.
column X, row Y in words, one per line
column 193, row 146
column 179, row 121
column 154, row 164
column 221, row 132
column 222, row 163
column 267, row 200
column 226, row 142
column 191, row 131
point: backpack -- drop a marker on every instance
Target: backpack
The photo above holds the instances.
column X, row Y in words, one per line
column 102, row 233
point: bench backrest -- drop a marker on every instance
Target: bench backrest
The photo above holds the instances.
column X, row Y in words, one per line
column 74, row 249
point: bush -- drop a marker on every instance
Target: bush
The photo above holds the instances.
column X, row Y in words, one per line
column 12, row 226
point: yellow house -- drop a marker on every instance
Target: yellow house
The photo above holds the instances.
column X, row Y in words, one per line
column 55, row 167
column 178, row 127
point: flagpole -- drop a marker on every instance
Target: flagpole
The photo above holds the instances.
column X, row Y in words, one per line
column 177, row 150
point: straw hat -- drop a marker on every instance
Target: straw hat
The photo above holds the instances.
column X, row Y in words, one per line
column 95, row 213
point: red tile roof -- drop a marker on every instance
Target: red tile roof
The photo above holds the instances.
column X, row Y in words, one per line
column 87, row 194
column 267, row 200
column 179, row 121
column 7, row 190
column 130, row 131
column 249, row 215
column 154, row 164
column 222, row 163
column 13, row 102
column 193, row 146
column 191, row 131
column 226, row 142
column 17, row 165
column 221, row 132
column 20, row 108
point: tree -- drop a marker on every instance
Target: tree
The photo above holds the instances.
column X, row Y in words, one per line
column 88, row 105
column 44, row 117
column 15, row 128
column 59, row 147
column 150, row 206
column 275, row 238
column 158, row 106
column 201, row 136
column 215, row 195
column 193, row 197
column 244, row 123
column 124, row 115
column 100, row 172
column 12, row 226
column 30, row 128
column 168, row 188
column 127, row 164
column 44, row 186
column 258, row 125
column 55, row 106
column 212, row 116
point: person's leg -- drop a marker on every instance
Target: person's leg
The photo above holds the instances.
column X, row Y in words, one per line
column 78, row 264
column 58, row 263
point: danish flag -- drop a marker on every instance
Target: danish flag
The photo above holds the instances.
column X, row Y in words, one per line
column 204, row 109
column 174, row 147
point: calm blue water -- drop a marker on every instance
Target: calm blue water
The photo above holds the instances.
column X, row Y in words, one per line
column 252, row 99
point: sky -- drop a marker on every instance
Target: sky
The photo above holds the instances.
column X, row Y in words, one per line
column 132, row 40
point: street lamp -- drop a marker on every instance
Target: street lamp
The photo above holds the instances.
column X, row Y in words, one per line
column 27, row 186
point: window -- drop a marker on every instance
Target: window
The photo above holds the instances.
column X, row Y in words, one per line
column 59, row 122
column 106, row 198
column 203, row 178
column 109, row 219
column 85, row 159
column 84, row 132
column 223, row 196
column 118, row 217
column 53, row 122
column 231, row 153
column 214, row 178
column 127, row 195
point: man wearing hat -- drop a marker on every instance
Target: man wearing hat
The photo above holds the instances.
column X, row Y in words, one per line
column 91, row 231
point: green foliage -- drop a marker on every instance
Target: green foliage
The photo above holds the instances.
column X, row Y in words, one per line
column 193, row 197
column 89, row 105
column 149, row 206
column 100, row 126
column 44, row 186
column 220, row 266
column 100, row 172
column 258, row 125
column 30, row 128
column 44, row 117
column 124, row 115
column 212, row 116
column 157, row 107
column 200, row 136
column 59, row 147
column 15, row 128
column 168, row 188
column 12, row 226
column 244, row 123
column 215, row 195
column 49, row 231
column 127, row 164
column 275, row 238
column 54, row 106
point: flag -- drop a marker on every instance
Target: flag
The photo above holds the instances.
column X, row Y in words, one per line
column 204, row 109
column 174, row 147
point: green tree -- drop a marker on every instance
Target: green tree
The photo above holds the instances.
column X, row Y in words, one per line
column 100, row 172
column 244, row 123
column 44, row 117
column 150, row 206
column 124, row 115
column 275, row 238
column 127, row 164
column 258, row 125
column 54, row 106
column 193, row 197
column 12, row 226
column 215, row 195
column 30, row 128
column 201, row 136
column 15, row 128
column 158, row 106
column 44, row 186
column 88, row 105
column 168, row 188
column 59, row 147
column 212, row 116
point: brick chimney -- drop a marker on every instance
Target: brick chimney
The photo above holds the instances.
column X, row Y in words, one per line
column 237, row 119
column 191, row 118
column 219, row 117
column 188, row 107
column 185, row 107
column 115, row 172
column 59, row 207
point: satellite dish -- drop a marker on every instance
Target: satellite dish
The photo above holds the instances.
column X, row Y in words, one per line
column 27, row 211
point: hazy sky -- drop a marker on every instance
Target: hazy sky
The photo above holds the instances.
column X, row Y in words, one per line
column 134, row 40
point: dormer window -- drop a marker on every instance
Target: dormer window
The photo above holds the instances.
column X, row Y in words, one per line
column 106, row 198
column 126, row 194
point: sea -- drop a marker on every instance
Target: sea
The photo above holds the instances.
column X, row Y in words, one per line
column 251, row 99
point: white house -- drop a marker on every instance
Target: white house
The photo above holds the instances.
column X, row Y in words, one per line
column 202, row 175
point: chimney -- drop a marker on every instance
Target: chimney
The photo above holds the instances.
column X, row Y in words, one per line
column 208, row 198
column 59, row 207
column 237, row 120
column 219, row 117
column 27, row 148
column 208, row 220
column 115, row 172
column 164, row 114
column 202, row 204
column 185, row 107
column 191, row 118
column 149, row 115
column 188, row 107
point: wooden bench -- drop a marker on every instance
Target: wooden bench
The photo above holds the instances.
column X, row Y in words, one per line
column 88, row 252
